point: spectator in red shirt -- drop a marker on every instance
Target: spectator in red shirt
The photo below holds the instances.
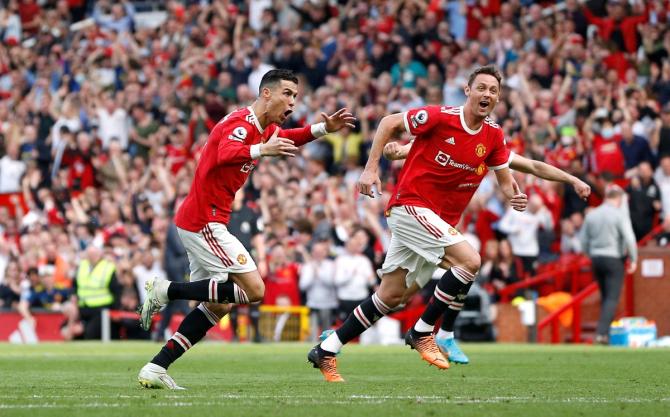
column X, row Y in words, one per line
column 618, row 26
column 281, row 285
column 31, row 16
column 603, row 141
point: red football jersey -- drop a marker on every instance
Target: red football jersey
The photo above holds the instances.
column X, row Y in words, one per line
column 447, row 161
column 224, row 166
column 607, row 156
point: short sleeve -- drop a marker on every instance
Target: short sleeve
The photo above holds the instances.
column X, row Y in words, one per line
column 500, row 156
column 421, row 120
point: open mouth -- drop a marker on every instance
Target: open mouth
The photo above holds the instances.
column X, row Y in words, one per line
column 287, row 113
column 484, row 104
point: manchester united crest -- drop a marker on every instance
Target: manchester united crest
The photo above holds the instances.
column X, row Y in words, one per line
column 453, row 231
column 241, row 259
column 480, row 150
column 480, row 169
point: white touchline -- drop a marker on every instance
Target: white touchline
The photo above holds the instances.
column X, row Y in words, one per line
column 358, row 399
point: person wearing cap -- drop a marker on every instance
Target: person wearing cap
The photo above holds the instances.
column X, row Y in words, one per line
column 606, row 237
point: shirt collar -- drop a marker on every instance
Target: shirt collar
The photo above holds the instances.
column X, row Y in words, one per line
column 254, row 118
column 465, row 125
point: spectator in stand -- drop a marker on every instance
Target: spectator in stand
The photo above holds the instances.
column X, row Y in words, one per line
column 10, row 287
column 607, row 236
column 10, row 24
column 660, row 139
column 522, row 229
column 620, row 26
column 113, row 121
column 496, row 271
column 95, row 288
column 129, row 328
column 408, row 72
column 141, row 134
column 644, row 200
column 281, row 287
column 317, row 281
column 663, row 237
column 42, row 294
column 662, row 179
column 147, row 266
column 11, row 170
column 354, row 274
column 635, row 148
column 117, row 18
column 603, row 142
column 570, row 242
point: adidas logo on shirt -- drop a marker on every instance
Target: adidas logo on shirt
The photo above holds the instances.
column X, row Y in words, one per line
column 450, row 141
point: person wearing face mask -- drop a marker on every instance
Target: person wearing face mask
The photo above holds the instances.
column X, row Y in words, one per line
column 602, row 138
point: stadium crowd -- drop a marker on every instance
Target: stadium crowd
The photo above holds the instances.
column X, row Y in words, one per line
column 103, row 113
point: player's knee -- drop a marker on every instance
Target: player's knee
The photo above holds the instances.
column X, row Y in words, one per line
column 471, row 263
column 255, row 291
column 391, row 296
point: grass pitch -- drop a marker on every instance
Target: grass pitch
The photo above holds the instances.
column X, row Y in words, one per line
column 275, row 380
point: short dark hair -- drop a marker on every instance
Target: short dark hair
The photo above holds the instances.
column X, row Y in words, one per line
column 275, row 76
column 488, row 70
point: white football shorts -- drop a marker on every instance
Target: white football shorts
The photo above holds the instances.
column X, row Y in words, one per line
column 214, row 253
column 418, row 239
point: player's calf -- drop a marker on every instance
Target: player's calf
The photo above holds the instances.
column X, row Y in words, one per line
column 213, row 291
column 191, row 330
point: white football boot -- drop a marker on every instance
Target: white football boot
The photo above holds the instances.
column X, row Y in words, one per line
column 154, row 301
column 154, row 376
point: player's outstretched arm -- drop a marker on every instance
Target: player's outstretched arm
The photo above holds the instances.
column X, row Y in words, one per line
column 390, row 125
column 510, row 188
column 548, row 172
column 393, row 151
column 332, row 123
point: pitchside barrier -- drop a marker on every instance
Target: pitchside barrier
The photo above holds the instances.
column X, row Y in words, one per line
column 277, row 323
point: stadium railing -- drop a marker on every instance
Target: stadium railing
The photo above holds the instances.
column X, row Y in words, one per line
column 567, row 268
column 553, row 319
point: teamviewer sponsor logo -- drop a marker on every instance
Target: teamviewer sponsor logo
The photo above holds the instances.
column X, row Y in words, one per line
column 442, row 158
column 445, row 159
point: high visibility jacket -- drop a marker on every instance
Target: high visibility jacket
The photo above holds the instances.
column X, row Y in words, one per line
column 93, row 284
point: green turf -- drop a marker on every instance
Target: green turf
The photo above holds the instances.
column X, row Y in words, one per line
column 93, row 379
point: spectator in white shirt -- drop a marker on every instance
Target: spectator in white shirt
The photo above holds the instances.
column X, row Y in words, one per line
column 317, row 280
column 11, row 170
column 662, row 178
column 148, row 267
column 354, row 274
column 112, row 122
column 522, row 228
column 68, row 120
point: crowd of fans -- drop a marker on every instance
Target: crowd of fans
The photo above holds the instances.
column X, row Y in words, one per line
column 103, row 113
